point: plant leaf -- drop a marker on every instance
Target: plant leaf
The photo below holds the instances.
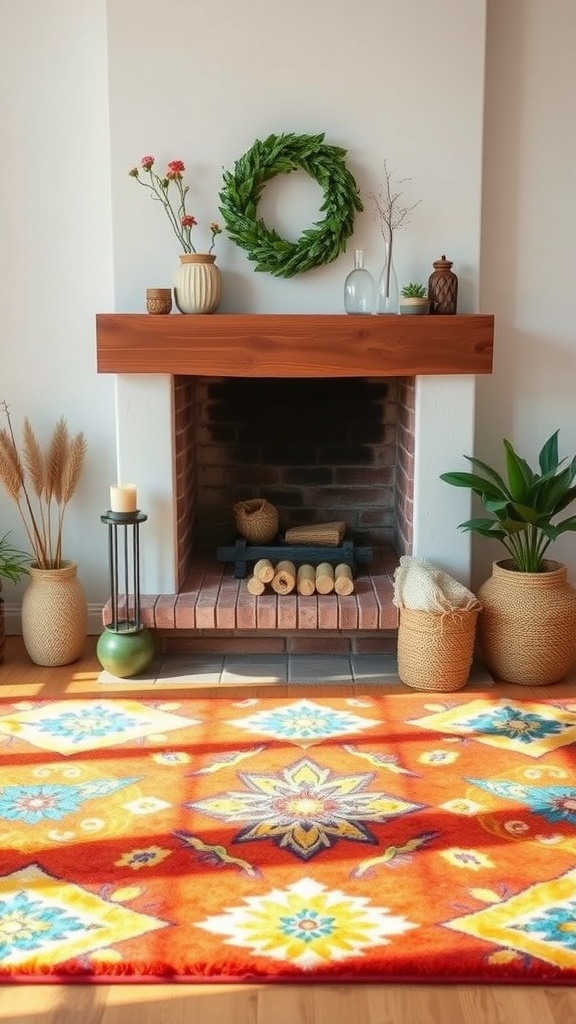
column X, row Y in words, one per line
column 520, row 476
column 483, row 488
column 548, row 457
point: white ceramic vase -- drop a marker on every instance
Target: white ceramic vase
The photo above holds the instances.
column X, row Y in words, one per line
column 197, row 283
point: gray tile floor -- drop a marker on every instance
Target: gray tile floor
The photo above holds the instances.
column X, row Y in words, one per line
column 298, row 669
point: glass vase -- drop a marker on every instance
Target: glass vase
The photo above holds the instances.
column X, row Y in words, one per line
column 387, row 299
column 359, row 287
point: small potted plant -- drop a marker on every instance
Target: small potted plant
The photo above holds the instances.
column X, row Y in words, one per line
column 528, row 620
column 12, row 568
column 414, row 300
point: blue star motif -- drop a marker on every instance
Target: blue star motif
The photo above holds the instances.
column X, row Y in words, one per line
column 97, row 720
column 515, row 724
column 554, row 924
column 27, row 924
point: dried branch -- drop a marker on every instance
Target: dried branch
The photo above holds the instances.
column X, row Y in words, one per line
column 388, row 209
column 51, row 476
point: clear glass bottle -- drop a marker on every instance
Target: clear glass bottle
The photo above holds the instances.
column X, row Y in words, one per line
column 388, row 296
column 359, row 287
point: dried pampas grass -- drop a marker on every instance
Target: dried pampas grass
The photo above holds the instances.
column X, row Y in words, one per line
column 41, row 483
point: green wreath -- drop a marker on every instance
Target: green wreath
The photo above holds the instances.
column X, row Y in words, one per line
column 281, row 154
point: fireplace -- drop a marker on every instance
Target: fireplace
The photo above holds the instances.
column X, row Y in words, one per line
column 318, row 450
column 418, row 372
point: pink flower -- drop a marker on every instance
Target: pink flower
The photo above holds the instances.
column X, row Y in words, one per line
column 175, row 169
column 171, row 192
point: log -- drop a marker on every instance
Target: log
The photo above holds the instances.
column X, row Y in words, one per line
column 343, row 580
column 264, row 570
column 324, row 578
column 306, row 580
column 255, row 586
column 323, row 534
column 284, row 579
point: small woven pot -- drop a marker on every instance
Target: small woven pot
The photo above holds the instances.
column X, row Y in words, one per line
column 435, row 650
column 256, row 520
column 527, row 628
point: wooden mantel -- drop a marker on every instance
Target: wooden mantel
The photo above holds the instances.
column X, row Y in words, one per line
column 294, row 345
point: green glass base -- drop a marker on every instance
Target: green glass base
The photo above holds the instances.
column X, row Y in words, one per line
column 125, row 654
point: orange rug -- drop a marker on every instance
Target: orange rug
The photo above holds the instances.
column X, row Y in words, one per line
column 407, row 837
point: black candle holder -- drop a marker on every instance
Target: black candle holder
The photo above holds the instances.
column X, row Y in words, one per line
column 125, row 648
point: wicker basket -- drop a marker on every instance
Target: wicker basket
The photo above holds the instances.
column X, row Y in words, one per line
column 527, row 628
column 256, row 520
column 435, row 650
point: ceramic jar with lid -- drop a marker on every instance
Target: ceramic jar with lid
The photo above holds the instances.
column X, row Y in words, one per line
column 443, row 287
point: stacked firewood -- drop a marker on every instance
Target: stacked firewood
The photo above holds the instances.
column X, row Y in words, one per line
column 306, row 580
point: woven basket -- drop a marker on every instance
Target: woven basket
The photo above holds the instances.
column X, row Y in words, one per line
column 256, row 520
column 435, row 650
column 527, row 628
column 54, row 615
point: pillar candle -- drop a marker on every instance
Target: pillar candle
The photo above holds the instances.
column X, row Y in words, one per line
column 123, row 498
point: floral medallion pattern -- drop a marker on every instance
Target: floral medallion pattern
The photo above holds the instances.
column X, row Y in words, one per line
column 304, row 722
column 307, row 925
column 305, row 809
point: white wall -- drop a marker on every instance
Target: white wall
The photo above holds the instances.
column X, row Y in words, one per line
column 201, row 82
column 528, row 260
column 56, row 252
column 236, row 72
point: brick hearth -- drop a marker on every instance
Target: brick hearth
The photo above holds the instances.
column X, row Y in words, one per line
column 213, row 612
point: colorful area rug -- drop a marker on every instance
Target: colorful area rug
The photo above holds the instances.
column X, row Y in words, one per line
column 376, row 838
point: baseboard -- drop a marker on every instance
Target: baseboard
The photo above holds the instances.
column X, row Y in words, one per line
column 13, row 619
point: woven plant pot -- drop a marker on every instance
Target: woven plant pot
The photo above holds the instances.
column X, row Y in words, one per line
column 435, row 650
column 256, row 520
column 54, row 615
column 527, row 627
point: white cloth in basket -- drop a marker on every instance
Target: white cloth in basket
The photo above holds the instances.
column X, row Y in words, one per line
column 421, row 586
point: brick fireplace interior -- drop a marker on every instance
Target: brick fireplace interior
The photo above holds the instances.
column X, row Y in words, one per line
column 317, row 413
column 319, row 450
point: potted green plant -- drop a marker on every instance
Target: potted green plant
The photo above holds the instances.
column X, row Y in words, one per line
column 12, row 567
column 527, row 625
column 414, row 300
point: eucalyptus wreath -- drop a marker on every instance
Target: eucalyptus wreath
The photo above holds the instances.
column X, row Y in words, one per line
column 280, row 154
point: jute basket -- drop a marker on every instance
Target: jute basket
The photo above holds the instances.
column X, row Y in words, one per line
column 54, row 615
column 527, row 628
column 435, row 650
column 256, row 520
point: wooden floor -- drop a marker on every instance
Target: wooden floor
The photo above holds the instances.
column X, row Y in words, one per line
column 261, row 1004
